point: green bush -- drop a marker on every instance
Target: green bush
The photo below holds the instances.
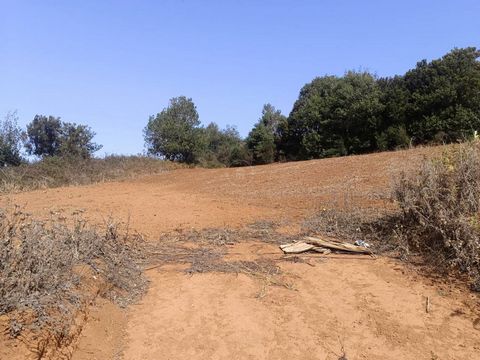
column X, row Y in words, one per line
column 11, row 138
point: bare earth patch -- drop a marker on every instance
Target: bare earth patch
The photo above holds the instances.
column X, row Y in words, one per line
column 372, row 309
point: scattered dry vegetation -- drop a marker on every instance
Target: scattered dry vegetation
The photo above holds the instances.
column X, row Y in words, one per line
column 436, row 215
column 440, row 211
column 61, row 171
column 50, row 270
column 262, row 230
column 204, row 251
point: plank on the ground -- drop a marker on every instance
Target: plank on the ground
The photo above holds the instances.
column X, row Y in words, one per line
column 336, row 245
column 296, row 248
column 322, row 250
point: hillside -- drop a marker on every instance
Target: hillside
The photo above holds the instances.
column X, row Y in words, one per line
column 370, row 308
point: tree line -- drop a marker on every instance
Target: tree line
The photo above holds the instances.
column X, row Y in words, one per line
column 359, row 112
column 435, row 102
column 45, row 136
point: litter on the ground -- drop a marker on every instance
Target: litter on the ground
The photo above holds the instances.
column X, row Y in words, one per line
column 361, row 243
column 315, row 244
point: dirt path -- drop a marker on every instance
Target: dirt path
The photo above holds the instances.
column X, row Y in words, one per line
column 371, row 309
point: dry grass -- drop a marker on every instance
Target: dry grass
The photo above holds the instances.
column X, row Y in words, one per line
column 50, row 270
column 263, row 231
column 203, row 251
column 56, row 171
column 436, row 215
column 440, row 211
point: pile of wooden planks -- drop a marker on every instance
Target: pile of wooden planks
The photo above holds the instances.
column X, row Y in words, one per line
column 310, row 243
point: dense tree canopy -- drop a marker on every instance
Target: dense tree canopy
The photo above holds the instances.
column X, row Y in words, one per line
column 264, row 139
column 334, row 116
column 444, row 97
column 49, row 136
column 175, row 133
column 76, row 141
column 437, row 101
column 44, row 134
column 223, row 147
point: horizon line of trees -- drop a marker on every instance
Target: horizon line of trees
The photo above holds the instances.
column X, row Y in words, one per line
column 435, row 102
column 45, row 136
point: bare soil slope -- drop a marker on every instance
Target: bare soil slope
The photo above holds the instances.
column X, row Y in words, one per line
column 371, row 309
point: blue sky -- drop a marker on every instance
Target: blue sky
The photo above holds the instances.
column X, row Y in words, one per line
column 111, row 64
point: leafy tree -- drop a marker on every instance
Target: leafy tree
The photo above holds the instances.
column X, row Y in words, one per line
column 11, row 137
column 444, row 97
column 76, row 141
column 334, row 116
column 44, row 136
column 224, row 147
column 175, row 133
column 265, row 137
column 48, row 136
column 394, row 137
column 392, row 133
column 262, row 144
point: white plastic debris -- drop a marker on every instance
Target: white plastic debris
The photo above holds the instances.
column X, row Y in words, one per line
column 362, row 243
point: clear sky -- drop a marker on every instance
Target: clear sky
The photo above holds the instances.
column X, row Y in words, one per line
column 111, row 64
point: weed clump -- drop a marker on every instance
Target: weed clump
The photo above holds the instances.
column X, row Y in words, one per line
column 436, row 215
column 440, row 210
column 51, row 269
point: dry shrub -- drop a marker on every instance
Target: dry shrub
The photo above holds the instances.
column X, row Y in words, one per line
column 60, row 171
column 45, row 267
column 436, row 215
column 347, row 223
column 439, row 210
column 203, row 251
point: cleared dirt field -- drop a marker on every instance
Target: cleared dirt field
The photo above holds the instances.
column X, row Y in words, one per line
column 370, row 309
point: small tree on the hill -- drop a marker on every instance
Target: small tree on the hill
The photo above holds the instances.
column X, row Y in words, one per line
column 223, row 147
column 175, row 133
column 265, row 136
column 76, row 141
column 10, row 141
column 48, row 136
column 44, row 134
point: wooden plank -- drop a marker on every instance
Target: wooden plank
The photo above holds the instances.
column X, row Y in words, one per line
column 296, row 248
column 336, row 245
column 322, row 250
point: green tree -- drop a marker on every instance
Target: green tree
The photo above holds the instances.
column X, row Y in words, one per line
column 334, row 116
column 224, row 147
column 76, row 141
column 49, row 136
column 444, row 97
column 265, row 137
column 175, row 133
column 11, row 137
column 392, row 133
column 44, row 136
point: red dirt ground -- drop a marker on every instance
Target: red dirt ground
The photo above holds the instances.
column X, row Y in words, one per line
column 373, row 309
